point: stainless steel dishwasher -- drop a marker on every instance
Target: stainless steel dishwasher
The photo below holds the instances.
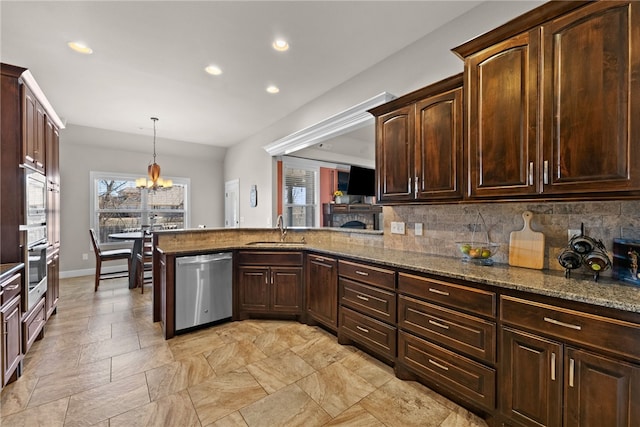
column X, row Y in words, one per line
column 203, row 289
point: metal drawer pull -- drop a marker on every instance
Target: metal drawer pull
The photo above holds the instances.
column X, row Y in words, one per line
column 319, row 259
column 362, row 273
column 553, row 366
column 363, row 298
column 438, row 324
column 12, row 288
column 439, row 292
column 545, row 171
column 572, row 365
column 360, row 328
column 439, row 365
column 566, row 325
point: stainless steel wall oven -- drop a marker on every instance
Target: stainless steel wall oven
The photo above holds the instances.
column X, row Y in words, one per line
column 35, row 226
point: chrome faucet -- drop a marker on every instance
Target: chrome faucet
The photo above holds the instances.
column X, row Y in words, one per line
column 280, row 225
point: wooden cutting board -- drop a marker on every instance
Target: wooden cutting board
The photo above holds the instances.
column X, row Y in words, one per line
column 526, row 247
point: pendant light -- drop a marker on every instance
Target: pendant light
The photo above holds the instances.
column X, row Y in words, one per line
column 153, row 182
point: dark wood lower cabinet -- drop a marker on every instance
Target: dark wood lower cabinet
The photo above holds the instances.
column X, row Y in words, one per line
column 531, row 382
column 537, row 372
column 467, row 378
column 10, row 316
column 322, row 290
column 269, row 283
column 600, row 391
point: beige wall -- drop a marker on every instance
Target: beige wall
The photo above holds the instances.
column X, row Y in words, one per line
column 83, row 150
column 419, row 64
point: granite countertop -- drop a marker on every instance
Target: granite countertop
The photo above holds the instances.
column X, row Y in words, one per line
column 7, row 270
column 582, row 288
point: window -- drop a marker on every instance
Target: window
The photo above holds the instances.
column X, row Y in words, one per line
column 300, row 198
column 118, row 206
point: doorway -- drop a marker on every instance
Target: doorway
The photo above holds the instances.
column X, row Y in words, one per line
column 232, row 204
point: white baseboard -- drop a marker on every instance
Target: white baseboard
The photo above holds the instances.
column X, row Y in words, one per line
column 92, row 271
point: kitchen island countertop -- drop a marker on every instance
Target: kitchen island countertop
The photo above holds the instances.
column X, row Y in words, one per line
column 579, row 287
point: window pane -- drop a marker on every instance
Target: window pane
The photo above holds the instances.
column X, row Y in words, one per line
column 300, row 216
column 167, row 198
column 118, row 194
column 168, row 220
column 117, row 222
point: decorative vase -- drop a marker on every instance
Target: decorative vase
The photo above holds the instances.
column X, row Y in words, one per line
column 338, row 199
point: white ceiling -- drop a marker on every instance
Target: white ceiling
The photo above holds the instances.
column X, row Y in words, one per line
column 149, row 57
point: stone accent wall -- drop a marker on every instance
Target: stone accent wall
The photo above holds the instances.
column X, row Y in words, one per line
column 443, row 225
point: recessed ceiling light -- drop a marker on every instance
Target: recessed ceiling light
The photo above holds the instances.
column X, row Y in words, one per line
column 80, row 48
column 280, row 45
column 273, row 89
column 213, row 70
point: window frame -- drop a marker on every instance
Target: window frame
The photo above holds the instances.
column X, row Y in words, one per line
column 296, row 163
column 95, row 176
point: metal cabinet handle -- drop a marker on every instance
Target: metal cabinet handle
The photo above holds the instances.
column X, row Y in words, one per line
column 319, row 259
column 415, row 185
column 12, row 288
column 572, row 366
column 272, row 278
column 438, row 324
column 439, row 292
column 362, row 297
column 362, row 273
column 360, row 328
column 559, row 323
column 530, row 173
column 553, row 366
column 545, row 171
column 439, row 365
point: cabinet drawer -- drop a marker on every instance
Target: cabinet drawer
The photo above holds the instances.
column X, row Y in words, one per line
column 10, row 289
column 458, row 296
column 589, row 329
column 368, row 274
column 370, row 300
column 471, row 335
column 373, row 334
column 269, row 258
column 459, row 374
column 33, row 324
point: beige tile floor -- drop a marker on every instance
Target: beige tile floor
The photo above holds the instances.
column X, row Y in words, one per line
column 104, row 362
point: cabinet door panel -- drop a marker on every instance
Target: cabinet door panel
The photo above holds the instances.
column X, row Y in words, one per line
column 438, row 148
column 322, row 290
column 531, row 380
column 502, row 92
column 12, row 338
column 394, row 157
column 591, row 98
column 254, row 287
column 286, row 289
column 600, row 392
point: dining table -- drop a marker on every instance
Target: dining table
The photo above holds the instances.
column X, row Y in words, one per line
column 136, row 237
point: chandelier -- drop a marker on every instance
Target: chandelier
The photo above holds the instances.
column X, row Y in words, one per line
column 153, row 181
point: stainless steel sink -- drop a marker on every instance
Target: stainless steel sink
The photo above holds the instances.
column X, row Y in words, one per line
column 277, row 244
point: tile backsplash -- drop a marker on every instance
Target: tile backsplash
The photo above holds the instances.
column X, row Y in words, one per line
column 443, row 225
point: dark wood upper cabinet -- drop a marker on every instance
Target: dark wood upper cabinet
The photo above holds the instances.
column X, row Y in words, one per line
column 394, row 154
column 419, row 144
column 551, row 108
column 591, row 100
column 501, row 86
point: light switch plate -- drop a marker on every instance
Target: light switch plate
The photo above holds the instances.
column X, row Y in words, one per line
column 397, row 227
column 418, row 229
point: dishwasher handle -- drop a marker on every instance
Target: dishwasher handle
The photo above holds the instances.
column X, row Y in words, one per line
column 203, row 259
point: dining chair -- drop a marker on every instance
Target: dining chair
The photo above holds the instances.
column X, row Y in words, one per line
column 108, row 255
column 144, row 262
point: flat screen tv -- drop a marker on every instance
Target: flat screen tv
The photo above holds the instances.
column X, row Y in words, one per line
column 362, row 181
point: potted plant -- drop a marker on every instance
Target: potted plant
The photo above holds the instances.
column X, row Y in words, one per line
column 337, row 196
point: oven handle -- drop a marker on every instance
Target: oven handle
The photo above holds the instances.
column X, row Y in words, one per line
column 39, row 247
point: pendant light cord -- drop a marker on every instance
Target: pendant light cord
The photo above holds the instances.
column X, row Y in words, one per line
column 155, row 119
